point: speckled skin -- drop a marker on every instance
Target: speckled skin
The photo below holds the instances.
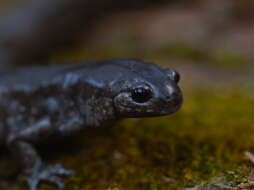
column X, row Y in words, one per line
column 40, row 102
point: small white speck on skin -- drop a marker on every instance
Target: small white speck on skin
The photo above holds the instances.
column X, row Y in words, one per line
column 70, row 79
column 52, row 104
column 170, row 89
column 45, row 122
column 95, row 83
column 146, row 88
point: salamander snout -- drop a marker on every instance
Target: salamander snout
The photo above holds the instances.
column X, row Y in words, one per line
column 170, row 98
column 172, row 92
column 157, row 94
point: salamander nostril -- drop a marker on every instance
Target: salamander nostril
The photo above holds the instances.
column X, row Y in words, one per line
column 173, row 75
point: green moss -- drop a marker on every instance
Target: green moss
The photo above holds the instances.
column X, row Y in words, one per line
column 206, row 139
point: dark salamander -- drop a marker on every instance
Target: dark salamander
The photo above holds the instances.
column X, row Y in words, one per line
column 38, row 102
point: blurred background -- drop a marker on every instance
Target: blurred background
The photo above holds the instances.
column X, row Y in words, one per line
column 211, row 44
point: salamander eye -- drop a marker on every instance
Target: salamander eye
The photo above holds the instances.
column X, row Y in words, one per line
column 141, row 95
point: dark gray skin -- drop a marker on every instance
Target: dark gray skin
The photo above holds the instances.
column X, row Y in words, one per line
column 40, row 102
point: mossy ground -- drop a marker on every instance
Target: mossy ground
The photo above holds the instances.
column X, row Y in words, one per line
column 206, row 139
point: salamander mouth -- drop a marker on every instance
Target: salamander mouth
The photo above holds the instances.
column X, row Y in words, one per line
column 174, row 105
column 172, row 109
column 162, row 109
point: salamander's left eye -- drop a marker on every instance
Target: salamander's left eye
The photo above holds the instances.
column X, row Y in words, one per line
column 173, row 75
column 141, row 95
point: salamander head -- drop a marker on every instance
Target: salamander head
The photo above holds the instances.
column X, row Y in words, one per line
column 144, row 89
